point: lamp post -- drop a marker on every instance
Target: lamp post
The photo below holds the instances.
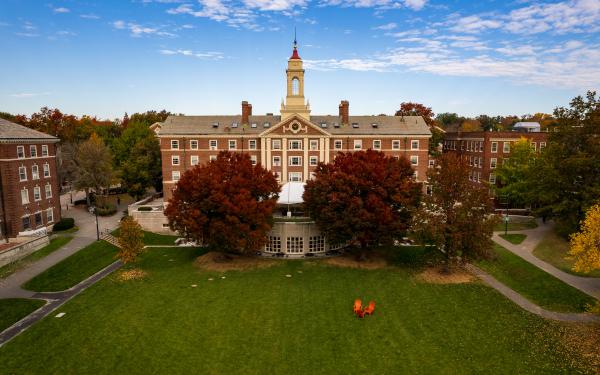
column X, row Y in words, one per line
column 97, row 227
column 506, row 214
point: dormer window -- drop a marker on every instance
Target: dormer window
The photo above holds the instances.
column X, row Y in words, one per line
column 355, row 125
column 266, row 124
column 234, row 125
column 336, row 125
column 323, row 124
column 215, row 124
column 375, row 125
column 254, row 125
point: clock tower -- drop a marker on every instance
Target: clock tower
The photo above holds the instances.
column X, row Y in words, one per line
column 294, row 100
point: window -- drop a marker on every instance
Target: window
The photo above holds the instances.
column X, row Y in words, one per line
column 471, row 160
column 22, row 174
column 174, row 144
column 26, row 223
column 295, row 144
column 38, row 219
column 493, row 163
column 175, row 160
column 176, row 175
column 295, row 161
column 295, row 176
column 212, row 144
column 506, row 147
column 295, row 244
column 37, row 193
column 277, row 176
column 276, row 144
column 542, row 145
column 44, row 150
column 212, row 157
column 35, row 172
column 534, row 146
column 431, row 163
column 314, row 160
column 194, row 144
column 358, row 144
column 194, row 160
column 295, row 86
column 478, row 176
column 20, row 152
column 33, row 151
column 24, row 196
column 252, row 144
column 46, row 170
column 414, row 145
column 49, row 215
column 492, row 179
column 232, row 144
column 414, row 160
column 376, row 144
column 494, row 146
column 48, row 191
column 337, row 144
column 395, row 145
column 314, row 144
column 277, row 161
column 316, row 244
column 273, row 244
column 253, row 159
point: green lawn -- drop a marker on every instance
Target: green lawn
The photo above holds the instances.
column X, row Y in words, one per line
column 14, row 309
column 514, row 238
column 533, row 283
column 516, row 223
column 55, row 244
column 554, row 250
column 74, row 269
column 151, row 238
column 261, row 321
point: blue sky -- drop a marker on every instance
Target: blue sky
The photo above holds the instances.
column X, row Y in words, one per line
column 108, row 57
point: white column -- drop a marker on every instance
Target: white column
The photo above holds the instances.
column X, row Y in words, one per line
column 321, row 149
column 268, row 154
column 284, row 161
column 263, row 152
column 305, row 162
column 327, row 142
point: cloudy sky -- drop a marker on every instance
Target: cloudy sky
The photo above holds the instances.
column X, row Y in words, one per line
column 108, row 57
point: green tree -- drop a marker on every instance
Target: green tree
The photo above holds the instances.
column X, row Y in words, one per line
column 131, row 240
column 512, row 174
column 447, row 119
column 93, row 166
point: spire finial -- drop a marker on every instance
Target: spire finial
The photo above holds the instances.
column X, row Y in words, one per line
column 295, row 42
column 295, row 52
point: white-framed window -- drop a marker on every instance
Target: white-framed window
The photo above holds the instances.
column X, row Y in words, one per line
column 414, row 160
column 277, row 161
column 316, row 244
column 295, row 161
column 471, row 160
column 49, row 215
column 358, row 144
column 277, row 176
column 176, row 175
column 337, row 144
column 273, row 244
column 314, row 144
column 33, row 151
column 494, row 146
column 276, row 144
column 174, row 159
column 295, row 244
column 252, row 144
column 22, row 174
column 213, row 144
column 48, row 191
column 232, row 144
column 194, row 144
column 416, row 175
column 506, row 147
column 414, row 144
column 253, row 159
column 313, row 161
column 24, row 196
column 493, row 163
column 542, row 145
column 37, row 193
column 174, row 144
column 431, row 163
column 46, row 170
column 295, row 144
column 492, row 179
column 428, row 189
column 295, row 176
column 395, row 144
column 376, row 144
column 20, row 152
column 35, row 172
column 194, row 160
column 44, row 150
column 534, row 146
column 212, row 157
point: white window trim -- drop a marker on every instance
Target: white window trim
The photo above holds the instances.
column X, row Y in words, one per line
column 212, row 157
column 493, row 163
column 37, row 188
column 215, row 147
column 314, row 142
column 50, row 218
column 394, row 142
column 506, row 147
column 175, row 157
column 253, row 159
column 31, row 154
column 298, row 174
column 336, row 142
column 357, row 142
column 234, row 144
column 275, row 142
column 192, row 142
column 290, row 158
column 377, row 147
column 22, row 168
column 192, row 160
column 492, row 148
column 416, row 160
column 36, row 175
column 46, row 168
column 412, row 142
column 45, row 150
column 46, row 191
column 292, row 141
column 22, row 149
column 252, row 144
column 278, row 161
column 315, row 159
column 175, row 173
column 26, row 201
column 174, row 142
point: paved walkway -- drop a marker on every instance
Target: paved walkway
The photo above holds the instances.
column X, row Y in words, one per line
column 588, row 285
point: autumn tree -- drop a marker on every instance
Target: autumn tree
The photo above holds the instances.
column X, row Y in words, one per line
column 226, row 204
column 512, row 174
column 131, row 240
column 455, row 217
column 93, row 166
column 585, row 244
column 364, row 198
column 416, row 109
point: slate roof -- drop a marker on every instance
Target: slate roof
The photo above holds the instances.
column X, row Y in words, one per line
column 10, row 130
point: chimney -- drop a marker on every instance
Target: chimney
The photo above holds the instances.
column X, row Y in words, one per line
column 344, row 112
column 246, row 112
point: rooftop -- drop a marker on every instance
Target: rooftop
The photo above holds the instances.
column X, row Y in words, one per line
column 10, row 130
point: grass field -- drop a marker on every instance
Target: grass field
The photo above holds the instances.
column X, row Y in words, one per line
column 514, row 238
column 534, row 284
column 554, row 250
column 74, row 269
column 261, row 321
column 55, row 244
column 14, row 309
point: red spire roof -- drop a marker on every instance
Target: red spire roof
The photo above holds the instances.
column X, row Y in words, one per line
column 295, row 55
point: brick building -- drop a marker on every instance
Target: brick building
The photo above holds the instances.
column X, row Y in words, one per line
column 290, row 144
column 485, row 151
column 29, row 189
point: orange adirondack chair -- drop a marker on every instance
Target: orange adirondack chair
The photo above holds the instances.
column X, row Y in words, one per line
column 370, row 309
column 357, row 306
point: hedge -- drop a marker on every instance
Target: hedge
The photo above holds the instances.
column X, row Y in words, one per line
column 64, row 224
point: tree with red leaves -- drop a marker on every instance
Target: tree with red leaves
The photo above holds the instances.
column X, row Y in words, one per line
column 226, row 204
column 416, row 109
column 364, row 198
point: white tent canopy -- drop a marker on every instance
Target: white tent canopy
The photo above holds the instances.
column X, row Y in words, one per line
column 291, row 193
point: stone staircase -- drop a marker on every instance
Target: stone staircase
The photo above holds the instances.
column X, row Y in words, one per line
column 110, row 239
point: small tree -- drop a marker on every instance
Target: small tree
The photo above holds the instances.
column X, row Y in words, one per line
column 93, row 162
column 456, row 216
column 585, row 244
column 362, row 197
column 513, row 173
column 131, row 240
column 226, row 204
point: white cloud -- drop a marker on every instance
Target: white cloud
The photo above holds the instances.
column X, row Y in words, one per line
column 524, row 50
column 65, row 33
column 139, row 30
column 211, row 55
column 275, row 5
column 415, row 4
column 28, row 35
column 90, row 16
column 387, row 26
column 25, row 95
column 474, row 24
column 61, row 10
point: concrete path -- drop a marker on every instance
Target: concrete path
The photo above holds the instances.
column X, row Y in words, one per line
column 525, row 304
column 588, row 285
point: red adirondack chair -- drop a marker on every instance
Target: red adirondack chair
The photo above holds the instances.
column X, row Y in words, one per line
column 357, row 306
column 370, row 309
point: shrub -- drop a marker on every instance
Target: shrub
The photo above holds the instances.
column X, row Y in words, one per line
column 64, row 224
column 107, row 210
column 145, row 208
